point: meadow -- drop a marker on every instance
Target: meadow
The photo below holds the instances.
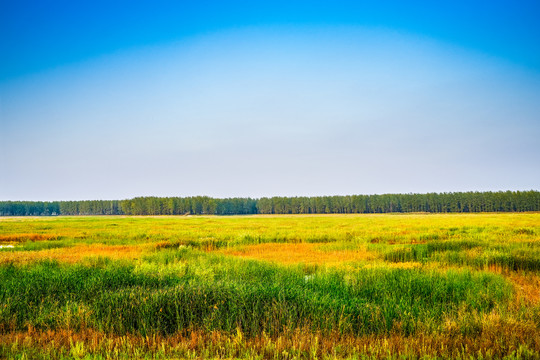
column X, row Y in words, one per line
column 377, row 286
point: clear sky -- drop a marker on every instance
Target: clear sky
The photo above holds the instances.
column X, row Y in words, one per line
column 241, row 98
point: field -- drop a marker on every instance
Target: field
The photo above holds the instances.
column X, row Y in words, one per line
column 391, row 286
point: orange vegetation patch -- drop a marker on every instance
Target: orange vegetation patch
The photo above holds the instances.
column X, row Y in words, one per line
column 73, row 254
column 306, row 253
column 527, row 287
column 26, row 237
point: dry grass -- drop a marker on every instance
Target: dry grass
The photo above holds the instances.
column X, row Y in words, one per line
column 73, row 254
column 14, row 238
column 299, row 343
column 527, row 287
column 305, row 253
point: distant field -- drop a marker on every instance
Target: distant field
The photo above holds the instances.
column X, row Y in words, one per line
column 283, row 286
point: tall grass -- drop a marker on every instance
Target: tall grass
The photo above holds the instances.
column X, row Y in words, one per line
column 450, row 286
column 514, row 257
column 217, row 293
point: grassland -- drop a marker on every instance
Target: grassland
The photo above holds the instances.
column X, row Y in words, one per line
column 455, row 286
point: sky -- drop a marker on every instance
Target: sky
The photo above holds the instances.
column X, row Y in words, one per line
column 112, row 100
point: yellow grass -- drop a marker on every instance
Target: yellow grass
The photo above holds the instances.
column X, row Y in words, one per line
column 299, row 343
column 383, row 228
column 14, row 238
column 73, row 254
column 305, row 253
column 527, row 287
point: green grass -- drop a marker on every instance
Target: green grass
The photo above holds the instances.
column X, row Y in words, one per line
column 433, row 286
column 515, row 257
column 196, row 290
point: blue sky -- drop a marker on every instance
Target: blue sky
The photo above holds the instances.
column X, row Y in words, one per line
column 110, row 101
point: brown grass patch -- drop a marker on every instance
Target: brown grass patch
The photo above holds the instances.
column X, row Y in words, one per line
column 306, row 253
column 25, row 237
column 527, row 287
column 73, row 254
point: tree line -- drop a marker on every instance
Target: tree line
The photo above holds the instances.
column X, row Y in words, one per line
column 457, row 202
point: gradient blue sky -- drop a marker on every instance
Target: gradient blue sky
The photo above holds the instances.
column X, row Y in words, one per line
column 111, row 101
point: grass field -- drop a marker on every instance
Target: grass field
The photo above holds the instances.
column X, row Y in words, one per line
column 391, row 286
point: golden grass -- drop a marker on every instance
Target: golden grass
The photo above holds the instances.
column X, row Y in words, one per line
column 73, row 254
column 298, row 343
column 11, row 238
column 383, row 228
column 527, row 287
column 305, row 253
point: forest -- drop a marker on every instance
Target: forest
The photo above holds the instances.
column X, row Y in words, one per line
column 453, row 202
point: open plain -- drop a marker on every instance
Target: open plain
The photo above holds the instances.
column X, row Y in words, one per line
column 284, row 286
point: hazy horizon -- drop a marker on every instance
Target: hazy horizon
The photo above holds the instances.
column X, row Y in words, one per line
column 258, row 101
column 251, row 197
